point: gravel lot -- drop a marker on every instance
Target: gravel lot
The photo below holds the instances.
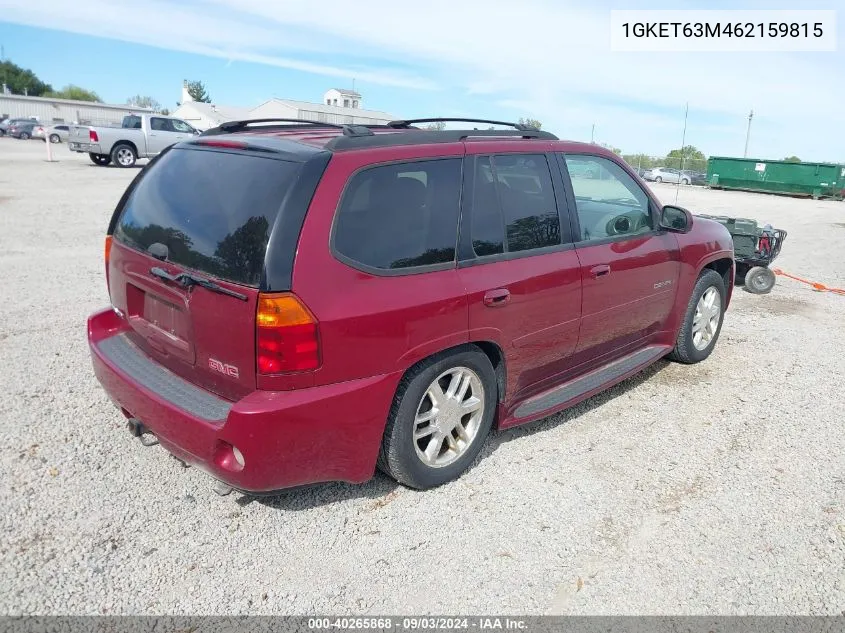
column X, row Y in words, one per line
column 718, row 488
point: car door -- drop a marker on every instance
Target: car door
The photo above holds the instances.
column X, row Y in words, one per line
column 519, row 266
column 629, row 267
column 159, row 135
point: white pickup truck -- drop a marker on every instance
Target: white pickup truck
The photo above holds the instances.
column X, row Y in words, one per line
column 139, row 136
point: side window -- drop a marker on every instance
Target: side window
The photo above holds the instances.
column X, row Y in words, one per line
column 514, row 206
column 401, row 215
column 609, row 202
column 181, row 126
column 158, row 124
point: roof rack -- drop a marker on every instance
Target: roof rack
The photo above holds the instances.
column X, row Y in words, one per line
column 407, row 123
column 239, row 126
column 416, row 136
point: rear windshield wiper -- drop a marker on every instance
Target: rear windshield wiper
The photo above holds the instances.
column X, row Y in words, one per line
column 187, row 280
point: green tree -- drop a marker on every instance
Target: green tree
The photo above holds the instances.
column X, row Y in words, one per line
column 144, row 102
column 198, row 92
column 615, row 150
column 530, row 122
column 688, row 152
column 22, row 80
column 436, row 126
column 641, row 161
column 74, row 93
column 792, row 159
column 164, row 111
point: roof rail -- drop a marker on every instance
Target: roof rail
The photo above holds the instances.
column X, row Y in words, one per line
column 415, row 136
column 406, row 123
column 238, row 126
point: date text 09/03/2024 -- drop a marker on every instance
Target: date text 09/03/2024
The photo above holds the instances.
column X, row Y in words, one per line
column 419, row 623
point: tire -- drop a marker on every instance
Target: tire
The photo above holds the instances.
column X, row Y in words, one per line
column 123, row 155
column 759, row 280
column 401, row 456
column 684, row 181
column 658, row 179
column 689, row 346
column 24, row 136
column 55, row 138
column 99, row 159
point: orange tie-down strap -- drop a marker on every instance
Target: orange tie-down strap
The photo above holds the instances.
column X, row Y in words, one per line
column 815, row 285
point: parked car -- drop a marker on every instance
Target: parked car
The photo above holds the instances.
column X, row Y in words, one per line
column 139, row 136
column 666, row 174
column 55, row 133
column 387, row 295
column 22, row 130
column 7, row 123
column 695, row 177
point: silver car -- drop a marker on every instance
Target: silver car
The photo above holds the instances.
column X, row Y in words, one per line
column 666, row 174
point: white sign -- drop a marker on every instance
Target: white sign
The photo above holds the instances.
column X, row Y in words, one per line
column 760, row 167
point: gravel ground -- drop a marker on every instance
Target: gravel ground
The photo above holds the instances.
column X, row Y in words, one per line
column 713, row 489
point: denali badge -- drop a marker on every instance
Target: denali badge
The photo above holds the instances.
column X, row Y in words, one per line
column 662, row 284
column 228, row 370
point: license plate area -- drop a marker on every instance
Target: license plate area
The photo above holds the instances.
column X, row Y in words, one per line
column 164, row 324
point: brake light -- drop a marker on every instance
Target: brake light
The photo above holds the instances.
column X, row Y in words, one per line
column 228, row 144
column 92, row 135
column 286, row 335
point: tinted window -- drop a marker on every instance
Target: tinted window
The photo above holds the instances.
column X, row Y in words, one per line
column 212, row 210
column 181, row 126
column 609, row 202
column 514, row 205
column 401, row 215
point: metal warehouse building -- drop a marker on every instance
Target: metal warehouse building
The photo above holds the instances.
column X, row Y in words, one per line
column 63, row 110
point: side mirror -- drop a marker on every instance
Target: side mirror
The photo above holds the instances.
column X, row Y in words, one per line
column 675, row 219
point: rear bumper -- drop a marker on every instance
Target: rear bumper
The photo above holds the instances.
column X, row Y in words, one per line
column 327, row 433
column 85, row 148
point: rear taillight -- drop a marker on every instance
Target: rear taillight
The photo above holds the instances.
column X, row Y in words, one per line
column 92, row 135
column 286, row 335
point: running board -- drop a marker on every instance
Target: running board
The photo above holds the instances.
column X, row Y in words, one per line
column 589, row 382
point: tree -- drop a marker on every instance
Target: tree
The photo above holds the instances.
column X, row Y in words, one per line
column 74, row 93
column 198, row 92
column 164, row 111
column 615, row 150
column 792, row 159
column 437, row 126
column 144, row 102
column 688, row 152
column 22, row 80
column 530, row 122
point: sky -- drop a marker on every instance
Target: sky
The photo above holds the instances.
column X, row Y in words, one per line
column 544, row 59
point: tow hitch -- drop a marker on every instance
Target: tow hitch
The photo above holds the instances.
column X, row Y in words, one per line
column 140, row 431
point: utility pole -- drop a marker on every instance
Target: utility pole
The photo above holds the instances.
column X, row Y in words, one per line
column 593, row 134
column 748, row 134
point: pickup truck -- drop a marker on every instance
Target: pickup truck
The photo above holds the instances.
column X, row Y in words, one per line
column 139, row 136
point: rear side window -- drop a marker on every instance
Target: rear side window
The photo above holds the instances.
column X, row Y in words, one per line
column 402, row 215
column 514, row 207
column 213, row 211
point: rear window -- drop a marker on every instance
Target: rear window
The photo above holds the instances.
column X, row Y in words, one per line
column 213, row 211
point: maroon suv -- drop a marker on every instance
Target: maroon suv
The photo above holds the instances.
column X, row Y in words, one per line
column 297, row 302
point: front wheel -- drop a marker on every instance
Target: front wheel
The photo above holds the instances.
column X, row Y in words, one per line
column 702, row 321
column 440, row 418
column 658, row 179
column 684, row 181
column 24, row 136
column 123, row 155
column 55, row 138
column 99, row 159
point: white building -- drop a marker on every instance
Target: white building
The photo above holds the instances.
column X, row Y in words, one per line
column 338, row 115
column 342, row 98
column 49, row 110
column 340, row 107
column 205, row 116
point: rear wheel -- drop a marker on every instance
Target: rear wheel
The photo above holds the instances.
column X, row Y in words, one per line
column 658, row 179
column 123, row 155
column 684, row 181
column 24, row 136
column 703, row 319
column 55, row 138
column 99, row 159
column 441, row 415
column 759, row 280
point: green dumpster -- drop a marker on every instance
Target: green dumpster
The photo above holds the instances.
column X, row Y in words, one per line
column 816, row 180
